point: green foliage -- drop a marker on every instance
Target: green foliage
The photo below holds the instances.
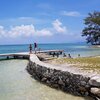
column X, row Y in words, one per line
column 92, row 29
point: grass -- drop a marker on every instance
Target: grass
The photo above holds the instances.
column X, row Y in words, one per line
column 86, row 63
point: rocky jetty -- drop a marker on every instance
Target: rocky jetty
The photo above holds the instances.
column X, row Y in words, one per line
column 73, row 83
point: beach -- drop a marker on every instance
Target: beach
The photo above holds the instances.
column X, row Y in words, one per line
column 90, row 65
column 73, row 65
column 49, row 50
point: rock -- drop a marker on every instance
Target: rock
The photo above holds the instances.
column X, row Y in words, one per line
column 95, row 81
column 82, row 89
column 95, row 91
column 61, row 82
column 44, row 79
column 83, row 83
column 48, row 82
column 87, row 86
column 55, row 85
column 86, row 94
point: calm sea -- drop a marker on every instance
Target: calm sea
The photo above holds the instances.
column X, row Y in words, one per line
column 73, row 48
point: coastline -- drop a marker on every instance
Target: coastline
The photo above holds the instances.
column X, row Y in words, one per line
column 57, row 77
column 18, row 84
column 65, row 79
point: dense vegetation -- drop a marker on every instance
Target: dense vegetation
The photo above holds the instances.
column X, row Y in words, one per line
column 92, row 29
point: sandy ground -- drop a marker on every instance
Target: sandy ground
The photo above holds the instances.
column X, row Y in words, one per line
column 70, row 67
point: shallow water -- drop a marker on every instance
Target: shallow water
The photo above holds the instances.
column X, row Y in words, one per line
column 16, row 84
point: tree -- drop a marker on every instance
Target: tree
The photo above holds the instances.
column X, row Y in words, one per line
column 92, row 29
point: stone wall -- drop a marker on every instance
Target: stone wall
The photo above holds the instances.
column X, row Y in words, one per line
column 68, row 82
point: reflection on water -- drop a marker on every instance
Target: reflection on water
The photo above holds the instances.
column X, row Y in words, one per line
column 16, row 84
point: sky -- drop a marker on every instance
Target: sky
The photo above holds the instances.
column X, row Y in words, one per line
column 44, row 21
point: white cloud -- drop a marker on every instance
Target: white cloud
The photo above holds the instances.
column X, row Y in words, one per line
column 44, row 32
column 59, row 27
column 30, row 30
column 72, row 13
column 23, row 31
column 2, row 31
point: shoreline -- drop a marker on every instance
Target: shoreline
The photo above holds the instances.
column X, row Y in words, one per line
column 56, row 77
column 64, row 79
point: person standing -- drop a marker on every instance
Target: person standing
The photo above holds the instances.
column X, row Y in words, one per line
column 30, row 48
column 35, row 47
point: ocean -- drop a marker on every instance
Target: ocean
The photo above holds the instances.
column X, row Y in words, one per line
column 69, row 48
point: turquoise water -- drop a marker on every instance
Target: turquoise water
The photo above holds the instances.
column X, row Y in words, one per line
column 17, row 84
column 74, row 49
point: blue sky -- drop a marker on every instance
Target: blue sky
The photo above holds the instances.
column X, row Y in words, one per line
column 44, row 21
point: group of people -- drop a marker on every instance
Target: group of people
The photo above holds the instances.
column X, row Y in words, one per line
column 35, row 47
column 69, row 56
